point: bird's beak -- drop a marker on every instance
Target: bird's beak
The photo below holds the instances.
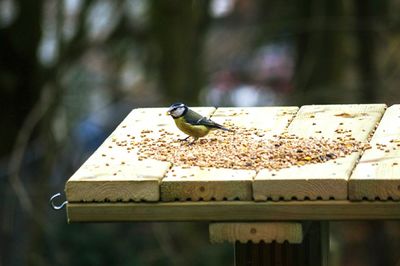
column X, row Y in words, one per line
column 168, row 113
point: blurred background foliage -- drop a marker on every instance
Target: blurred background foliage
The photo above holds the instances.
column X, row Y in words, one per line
column 70, row 70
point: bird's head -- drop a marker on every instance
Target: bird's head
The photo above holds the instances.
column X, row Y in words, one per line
column 177, row 110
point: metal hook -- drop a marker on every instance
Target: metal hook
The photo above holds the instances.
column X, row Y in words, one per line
column 55, row 207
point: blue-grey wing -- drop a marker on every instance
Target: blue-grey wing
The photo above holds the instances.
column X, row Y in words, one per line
column 194, row 118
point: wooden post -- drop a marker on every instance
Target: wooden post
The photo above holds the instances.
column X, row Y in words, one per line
column 312, row 251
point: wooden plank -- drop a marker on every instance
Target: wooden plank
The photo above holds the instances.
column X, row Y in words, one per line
column 114, row 172
column 274, row 120
column 256, row 232
column 197, row 183
column 377, row 176
column 327, row 180
column 108, row 180
column 329, row 121
column 233, row 211
column 313, row 181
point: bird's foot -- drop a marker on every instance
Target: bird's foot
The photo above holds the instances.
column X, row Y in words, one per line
column 192, row 142
column 185, row 139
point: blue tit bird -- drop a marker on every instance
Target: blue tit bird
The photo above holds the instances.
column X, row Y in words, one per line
column 192, row 123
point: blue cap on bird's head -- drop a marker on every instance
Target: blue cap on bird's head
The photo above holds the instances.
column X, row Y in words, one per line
column 177, row 109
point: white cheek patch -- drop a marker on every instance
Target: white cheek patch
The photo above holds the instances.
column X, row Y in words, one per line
column 178, row 112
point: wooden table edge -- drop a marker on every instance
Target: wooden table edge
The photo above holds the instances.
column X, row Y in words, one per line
column 234, row 211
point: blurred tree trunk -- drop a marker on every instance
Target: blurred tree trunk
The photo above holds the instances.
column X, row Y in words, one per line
column 38, row 228
column 320, row 51
column 21, row 83
column 178, row 28
column 367, row 13
column 19, row 69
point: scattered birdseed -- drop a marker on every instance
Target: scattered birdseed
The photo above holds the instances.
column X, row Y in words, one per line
column 243, row 149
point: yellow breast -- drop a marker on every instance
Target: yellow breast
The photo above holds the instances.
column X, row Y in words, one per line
column 194, row 131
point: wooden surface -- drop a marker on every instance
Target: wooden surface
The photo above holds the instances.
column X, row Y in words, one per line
column 114, row 173
column 206, row 184
column 225, row 184
column 320, row 181
column 272, row 119
column 132, row 181
column 233, row 211
column 105, row 186
column 377, row 175
column 256, row 232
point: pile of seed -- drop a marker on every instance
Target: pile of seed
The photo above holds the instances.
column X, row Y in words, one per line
column 243, row 149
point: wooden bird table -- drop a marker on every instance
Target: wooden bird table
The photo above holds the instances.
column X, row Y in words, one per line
column 273, row 216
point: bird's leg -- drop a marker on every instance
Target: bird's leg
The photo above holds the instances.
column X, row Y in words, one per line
column 194, row 140
column 185, row 139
